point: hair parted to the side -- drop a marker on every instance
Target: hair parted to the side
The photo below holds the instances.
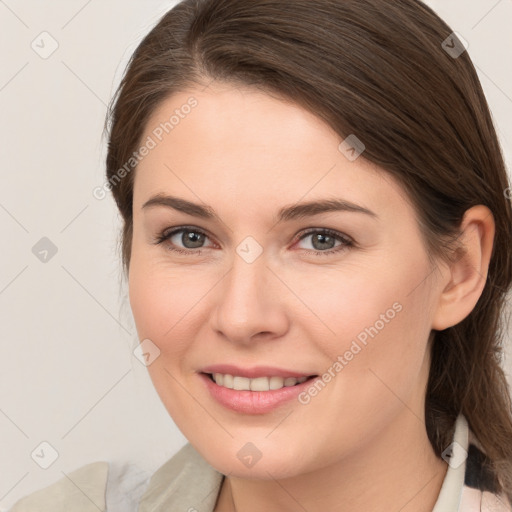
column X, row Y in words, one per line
column 375, row 69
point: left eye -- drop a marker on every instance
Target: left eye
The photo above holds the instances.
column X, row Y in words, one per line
column 324, row 241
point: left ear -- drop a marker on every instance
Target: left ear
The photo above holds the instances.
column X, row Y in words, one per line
column 467, row 275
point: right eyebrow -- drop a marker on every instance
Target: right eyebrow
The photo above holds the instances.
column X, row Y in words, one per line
column 182, row 205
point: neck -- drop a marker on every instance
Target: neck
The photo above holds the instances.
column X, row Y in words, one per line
column 397, row 470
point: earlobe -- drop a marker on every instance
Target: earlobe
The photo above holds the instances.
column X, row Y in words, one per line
column 467, row 274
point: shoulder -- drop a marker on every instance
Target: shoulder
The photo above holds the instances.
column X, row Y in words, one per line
column 185, row 482
column 180, row 483
column 82, row 490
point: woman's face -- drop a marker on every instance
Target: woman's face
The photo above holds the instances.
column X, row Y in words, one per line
column 344, row 293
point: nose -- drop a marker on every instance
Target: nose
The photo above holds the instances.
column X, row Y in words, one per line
column 250, row 303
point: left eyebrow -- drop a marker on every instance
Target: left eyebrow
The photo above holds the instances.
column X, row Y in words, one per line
column 301, row 210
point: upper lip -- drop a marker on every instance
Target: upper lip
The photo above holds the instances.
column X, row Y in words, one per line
column 254, row 372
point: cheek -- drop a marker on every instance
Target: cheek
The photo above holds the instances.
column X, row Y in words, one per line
column 362, row 303
column 374, row 324
column 162, row 303
column 166, row 302
column 148, row 301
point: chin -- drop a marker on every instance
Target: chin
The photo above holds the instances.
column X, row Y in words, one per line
column 245, row 460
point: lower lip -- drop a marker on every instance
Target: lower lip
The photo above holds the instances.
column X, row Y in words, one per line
column 253, row 402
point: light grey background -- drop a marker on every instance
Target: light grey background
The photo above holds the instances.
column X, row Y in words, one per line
column 68, row 375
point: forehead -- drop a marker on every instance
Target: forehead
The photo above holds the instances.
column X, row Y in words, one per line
column 238, row 119
column 253, row 147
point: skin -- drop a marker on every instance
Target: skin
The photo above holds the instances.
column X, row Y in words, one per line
column 361, row 443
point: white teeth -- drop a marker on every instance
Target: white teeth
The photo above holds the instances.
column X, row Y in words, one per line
column 260, row 384
column 276, row 382
column 257, row 384
column 241, row 383
column 227, row 381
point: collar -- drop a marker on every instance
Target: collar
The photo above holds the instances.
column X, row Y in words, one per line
column 185, row 482
column 451, row 491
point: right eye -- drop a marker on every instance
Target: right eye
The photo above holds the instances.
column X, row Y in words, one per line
column 190, row 237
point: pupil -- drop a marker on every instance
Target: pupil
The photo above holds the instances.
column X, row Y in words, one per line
column 196, row 239
column 323, row 239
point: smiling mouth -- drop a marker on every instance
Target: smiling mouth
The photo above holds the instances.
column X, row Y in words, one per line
column 271, row 383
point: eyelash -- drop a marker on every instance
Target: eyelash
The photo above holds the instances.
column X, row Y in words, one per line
column 347, row 242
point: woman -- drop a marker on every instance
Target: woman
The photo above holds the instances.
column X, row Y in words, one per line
column 317, row 243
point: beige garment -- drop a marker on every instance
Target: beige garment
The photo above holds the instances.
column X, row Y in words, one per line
column 82, row 490
column 187, row 483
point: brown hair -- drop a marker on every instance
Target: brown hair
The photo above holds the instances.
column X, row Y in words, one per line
column 376, row 69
